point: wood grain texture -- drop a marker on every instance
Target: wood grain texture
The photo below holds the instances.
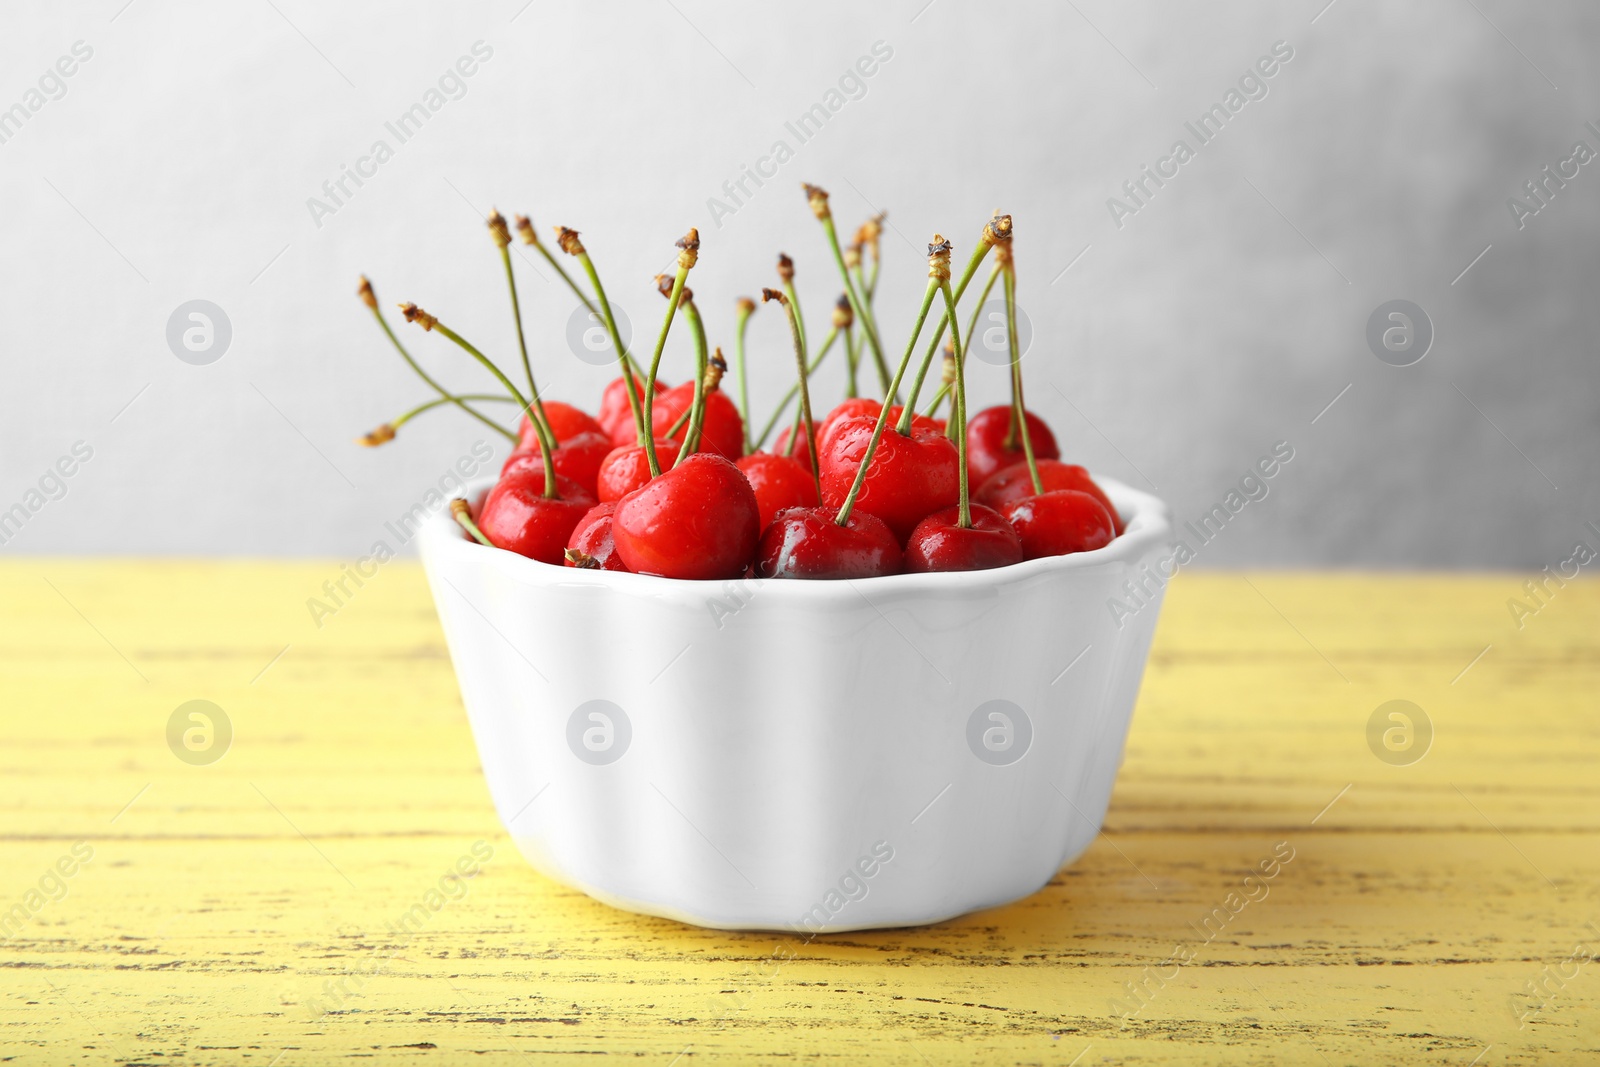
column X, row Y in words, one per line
column 251, row 911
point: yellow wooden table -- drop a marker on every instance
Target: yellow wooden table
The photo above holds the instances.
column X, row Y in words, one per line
column 249, row 910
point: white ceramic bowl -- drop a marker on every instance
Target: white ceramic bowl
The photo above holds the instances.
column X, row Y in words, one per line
column 800, row 755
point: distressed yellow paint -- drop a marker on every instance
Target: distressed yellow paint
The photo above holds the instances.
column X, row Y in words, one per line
column 220, row 903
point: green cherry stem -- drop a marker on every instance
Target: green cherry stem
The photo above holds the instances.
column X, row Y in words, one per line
column 745, row 307
column 853, row 363
column 1018, row 412
column 697, row 406
column 786, row 276
column 531, row 237
column 972, row 328
column 386, row 433
column 938, row 272
column 502, row 239
column 370, row 298
column 689, row 251
column 572, row 246
column 711, row 374
column 818, row 199
column 805, row 390
column 546, row 441
column 463, row 516
column 958, row 406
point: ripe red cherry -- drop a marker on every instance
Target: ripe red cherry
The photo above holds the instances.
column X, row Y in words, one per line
column 566, row 422
column 592, row 537
column 614, row 409
column 698, row 520
column 846, row 409
column 863, row 406
column 1059, row 522
column 626, row 469
column 778, row 482
column 807, row 543
column 909, row 476
column 578, row 457
column 721, row 432
column 940, row 543
column 986, row 442
column 1013, row 483
column 516, row 515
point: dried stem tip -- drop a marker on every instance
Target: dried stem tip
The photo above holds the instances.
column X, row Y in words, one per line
column 852, row 255
column 785, row 268
column 715, row 369
column 818, row 199
column 998, row 229
column 843, row 314
column 498, row 229
column 1003, row 254
column 871, row 230
column 418, row 316
column 773, row 294
column 364, row 291
column 568, row 240
column 744, row 306
column 948, row 376
column 582, row 560
column 689, row 249
column 381, row 436
column 664, row 283
column 939, row 259
column 525, row 229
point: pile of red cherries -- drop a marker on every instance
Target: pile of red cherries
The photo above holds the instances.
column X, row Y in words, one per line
column 864, row 490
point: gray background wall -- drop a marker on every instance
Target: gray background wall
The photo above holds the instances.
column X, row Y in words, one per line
column 1172, row 351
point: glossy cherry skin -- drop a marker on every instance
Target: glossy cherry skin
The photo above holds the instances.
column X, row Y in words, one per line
column 864, row 407
column 1059, row 523
column 614, row 409
column 566, row 422
column 910, row 476
column 700, row 520
column 518, row 517
column 939, row 543
column 592, row 537
column 986, row 442
column 808, row 543
column 779, row 482
column 577, row 457
column 626, row 469
column 722, row 430
column 1013, row 483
